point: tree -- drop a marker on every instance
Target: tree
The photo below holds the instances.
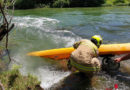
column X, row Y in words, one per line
column 5, row 21
column 94, row 3
column 86, row 3
column 61, row 3
column 119, row 1
column 25, row 4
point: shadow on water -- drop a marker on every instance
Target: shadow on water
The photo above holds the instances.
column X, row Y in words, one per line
column 123, row 77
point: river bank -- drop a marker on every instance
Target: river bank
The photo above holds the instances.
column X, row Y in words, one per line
column 29, row 4
column 13, row 79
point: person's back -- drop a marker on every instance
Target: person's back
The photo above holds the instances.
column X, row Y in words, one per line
column 84, row 52
column 84, row 58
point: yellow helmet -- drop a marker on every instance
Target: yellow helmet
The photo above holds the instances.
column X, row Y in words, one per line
column 97, row 40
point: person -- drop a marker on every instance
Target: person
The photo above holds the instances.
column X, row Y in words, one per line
column 125, row 57
column 84, row 57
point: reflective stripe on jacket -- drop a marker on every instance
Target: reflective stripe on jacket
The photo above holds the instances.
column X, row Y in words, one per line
column 82, row 67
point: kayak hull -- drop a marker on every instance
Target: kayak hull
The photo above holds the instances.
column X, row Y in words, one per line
column 64, row 53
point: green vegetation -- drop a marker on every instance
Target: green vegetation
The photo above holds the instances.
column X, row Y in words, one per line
column 61, row 3
column 13, row 80
column 26, row 4
column 23, row 4
column 117, row 3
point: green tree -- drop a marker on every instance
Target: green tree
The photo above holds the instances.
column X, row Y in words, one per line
column 119, row 1
column 25, row 4
column 86, row 3
column 94, row 3
column 61, row 3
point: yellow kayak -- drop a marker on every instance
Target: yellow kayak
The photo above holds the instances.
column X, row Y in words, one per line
column 64, row 53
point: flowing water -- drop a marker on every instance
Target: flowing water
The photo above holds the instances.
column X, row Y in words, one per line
column 40, row 29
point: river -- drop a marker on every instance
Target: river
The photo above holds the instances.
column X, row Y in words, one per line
column 48, row 28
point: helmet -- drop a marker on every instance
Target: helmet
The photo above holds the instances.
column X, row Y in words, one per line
column 97, row 40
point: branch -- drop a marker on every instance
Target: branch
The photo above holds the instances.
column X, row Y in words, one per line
column 5, row 27
column 1, row 85
column 13, row 2
column 3, row 14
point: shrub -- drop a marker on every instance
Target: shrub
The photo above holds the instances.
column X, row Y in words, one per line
column 94, row 3
column 61, row 3
column 25, row 4
column 13, row 80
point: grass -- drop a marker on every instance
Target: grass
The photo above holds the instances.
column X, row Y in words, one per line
column 13, row 80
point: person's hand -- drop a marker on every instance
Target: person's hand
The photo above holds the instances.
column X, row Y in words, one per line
column 117, row 60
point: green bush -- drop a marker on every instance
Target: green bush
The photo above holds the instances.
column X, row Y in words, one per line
column 106, row 5
column 61, row 3
column 86, row 3
column 110, row 2
column 25, row 4
column 94, row 3
column 13, row 80
column 121, row 4
column 118, row 2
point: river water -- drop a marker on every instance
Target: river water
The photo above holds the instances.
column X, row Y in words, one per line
column 40, row 29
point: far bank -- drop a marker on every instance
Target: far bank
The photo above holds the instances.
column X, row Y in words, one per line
column 29, row 4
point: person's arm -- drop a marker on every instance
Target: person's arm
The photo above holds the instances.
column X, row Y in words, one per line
column 76, row 44
column 126, row 57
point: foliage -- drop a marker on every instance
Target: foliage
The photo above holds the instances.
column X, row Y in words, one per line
column 109, row 2
column 94, row 3
column 13, row 80
column 25, row 4
column 117, row 2
column 122, row 2
column 1, row 1
column 61, row 3
column 86, row 3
